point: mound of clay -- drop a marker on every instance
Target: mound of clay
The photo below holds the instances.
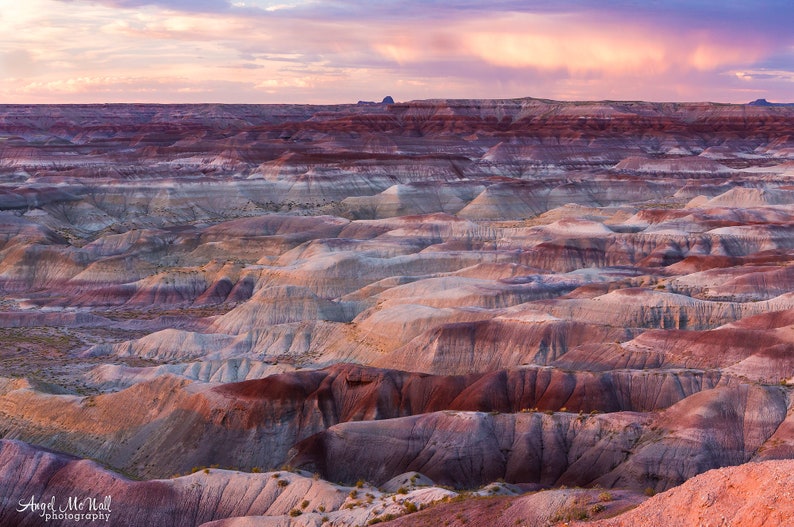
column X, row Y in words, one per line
column 751, row 495
column 671, row 165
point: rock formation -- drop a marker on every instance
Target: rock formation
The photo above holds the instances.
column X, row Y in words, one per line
column 541, row 292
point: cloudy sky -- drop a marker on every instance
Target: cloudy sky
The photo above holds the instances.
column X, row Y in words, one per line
column 285, row 51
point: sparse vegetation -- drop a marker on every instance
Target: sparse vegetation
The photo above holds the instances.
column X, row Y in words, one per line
column 605, row 496
column 573, row 512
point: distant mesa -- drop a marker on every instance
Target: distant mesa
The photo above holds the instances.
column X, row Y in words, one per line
column 386, row 100
column 764, row 102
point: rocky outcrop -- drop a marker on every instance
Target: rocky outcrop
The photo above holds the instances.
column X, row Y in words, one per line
column 501, row 342
column 462, row 448
column 753, row 494
column 627, row 450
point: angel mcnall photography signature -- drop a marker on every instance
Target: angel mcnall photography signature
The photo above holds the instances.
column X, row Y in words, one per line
column 74, row 508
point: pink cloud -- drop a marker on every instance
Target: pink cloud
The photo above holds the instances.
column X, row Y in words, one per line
column 127, row 50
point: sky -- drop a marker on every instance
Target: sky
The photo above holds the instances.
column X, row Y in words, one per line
column 340, row 51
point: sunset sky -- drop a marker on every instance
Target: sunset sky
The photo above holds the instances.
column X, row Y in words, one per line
column 287, row 51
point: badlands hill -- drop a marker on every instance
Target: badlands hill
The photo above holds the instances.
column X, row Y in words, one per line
column 374, row 301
